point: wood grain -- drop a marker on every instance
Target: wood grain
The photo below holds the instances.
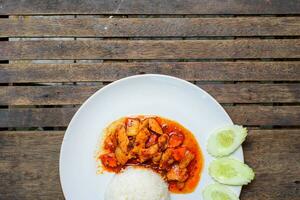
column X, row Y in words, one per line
column 192, row 71
column 149, row 27
column 34, row 158
column 224, row 93
column 29, row 165
column 274, row 156
column 14, row 7
column 60, row 117
column 265, row 115
column 156, row 49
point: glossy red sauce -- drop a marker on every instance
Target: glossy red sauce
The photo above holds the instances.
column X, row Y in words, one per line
column 169, row 127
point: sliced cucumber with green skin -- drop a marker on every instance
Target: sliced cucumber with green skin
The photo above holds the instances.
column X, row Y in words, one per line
column 218, row 192
column 226, row 140
column 230, row 171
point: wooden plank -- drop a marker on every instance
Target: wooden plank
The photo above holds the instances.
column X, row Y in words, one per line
column 224, row 93
column 155, row 49
column 150, row 27
column 34, row 158
column 253, row 93
column 273, row 154
column 60, row 117
column 192, row 71
column 13, row 7
column 265, row 115
column 29, row 165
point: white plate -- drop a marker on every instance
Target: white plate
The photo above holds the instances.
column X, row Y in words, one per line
column 166, row 96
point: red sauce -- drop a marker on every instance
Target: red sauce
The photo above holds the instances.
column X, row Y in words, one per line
column 180, row 140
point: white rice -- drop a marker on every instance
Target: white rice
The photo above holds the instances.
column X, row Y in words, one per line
column 137, row 184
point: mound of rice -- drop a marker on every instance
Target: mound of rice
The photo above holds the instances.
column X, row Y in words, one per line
column 137, row 184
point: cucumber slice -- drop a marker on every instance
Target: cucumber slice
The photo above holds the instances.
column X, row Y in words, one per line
column 218, row 192
column 230, row 171
column 226, row 140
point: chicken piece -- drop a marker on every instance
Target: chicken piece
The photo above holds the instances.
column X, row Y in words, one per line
column 154, row 126
column 110, row 142
column 165, row 158
column 121, row 156
column 109, row 160
column 152, row 140
column 188, row 157
column 148, row 153
column 132, row 127
column 140, row 140
column 144, row 124
column 180, row 185
column 176, row 139
column 177, row 174
column 123, row 140
column 179, row 153
column 142, row 137
column 170, row 161
column 113, row 127
column 163, row 142
column 156, row 158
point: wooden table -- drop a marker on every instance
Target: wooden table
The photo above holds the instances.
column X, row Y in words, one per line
column 55, row 54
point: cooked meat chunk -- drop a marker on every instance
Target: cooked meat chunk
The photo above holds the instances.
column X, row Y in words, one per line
column 165, row 158
column 170, row 161
column 132, row 127
column 176, row 139
column 142, row 137
column 113, row 127
column 140, row 141
column 111, row 142
column 109, row 160
column 121, row 156
column 148, row 153
column 144, row 124
column 154, row 126
column 123, row 140
column 180, row 185
column 156, row 158
column 179, row 153
column 188, row 157
column 163, row 142
column 152, row 140
column 177, row 174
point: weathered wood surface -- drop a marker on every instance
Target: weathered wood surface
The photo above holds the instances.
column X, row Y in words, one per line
column 192, row 71
column 250, row 63
column 223, row 93
column 34, row 157
column 60, row 117
column 149, row 27
column 13, row 7
column 29, row 165
column 158, row 49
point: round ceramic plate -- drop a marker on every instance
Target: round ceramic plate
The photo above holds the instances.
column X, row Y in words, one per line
column 161, row 95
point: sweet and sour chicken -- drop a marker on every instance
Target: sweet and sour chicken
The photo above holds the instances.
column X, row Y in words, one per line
column 156, row 143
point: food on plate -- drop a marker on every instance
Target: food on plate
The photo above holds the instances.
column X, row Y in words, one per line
column 230, row 171
column 218, row 192
column 157, row 143
column 226, row 140
column 137, row 184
